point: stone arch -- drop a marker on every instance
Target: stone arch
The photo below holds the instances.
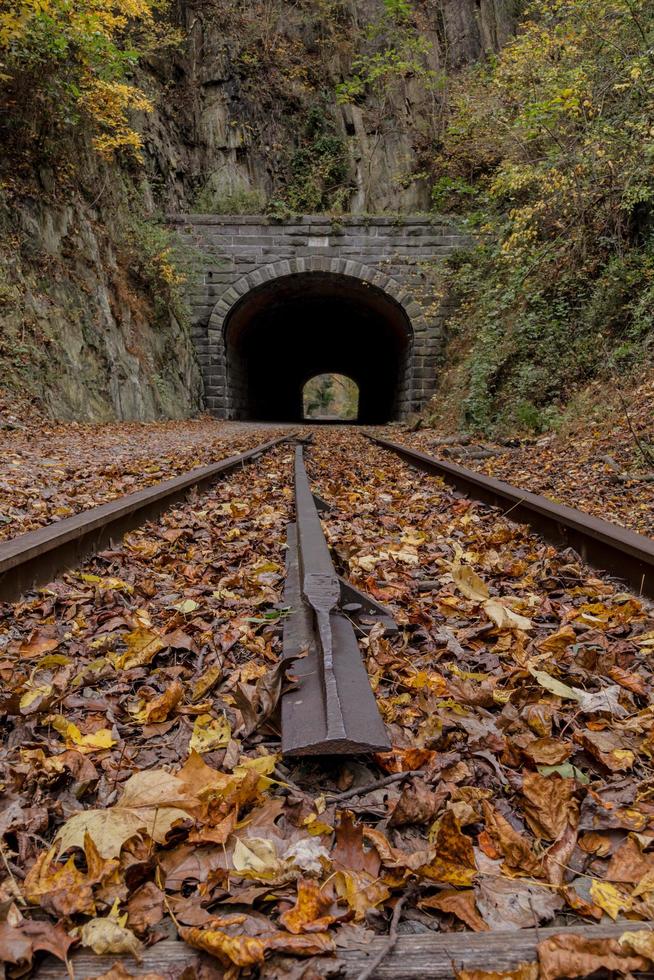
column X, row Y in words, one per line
column 224, row 378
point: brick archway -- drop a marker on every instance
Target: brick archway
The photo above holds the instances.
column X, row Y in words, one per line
column 387, row 317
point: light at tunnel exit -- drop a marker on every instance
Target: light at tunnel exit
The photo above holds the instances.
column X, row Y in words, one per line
column 331, row 397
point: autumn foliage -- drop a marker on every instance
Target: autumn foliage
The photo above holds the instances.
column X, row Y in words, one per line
column 71, row 63
column 548, row 153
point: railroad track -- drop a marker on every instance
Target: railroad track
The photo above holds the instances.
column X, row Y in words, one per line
column 607, row 547
column 331, row 710
column 36, row 557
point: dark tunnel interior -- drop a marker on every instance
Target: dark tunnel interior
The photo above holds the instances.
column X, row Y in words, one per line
column 285, row 332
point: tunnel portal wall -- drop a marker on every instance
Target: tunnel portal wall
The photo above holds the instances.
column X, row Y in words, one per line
column 238, row 254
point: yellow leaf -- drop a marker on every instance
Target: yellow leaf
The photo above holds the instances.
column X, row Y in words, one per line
column 263, row 765
column 555, row 687
column 609, row 898
column 101, row 739
column 256, row 857
column 142, row 647
column 106, row 935
column 35, row 694
column 361, row 891
column 468, row 582
column 204, row 683
column 641, row 943
column 107, row 583
column 505, row 618
column 210, row 734
column 186, row 606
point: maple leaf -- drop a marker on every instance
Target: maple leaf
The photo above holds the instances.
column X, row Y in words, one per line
column 151, row 803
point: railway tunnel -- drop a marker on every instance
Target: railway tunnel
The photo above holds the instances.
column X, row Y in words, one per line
column 294, row 327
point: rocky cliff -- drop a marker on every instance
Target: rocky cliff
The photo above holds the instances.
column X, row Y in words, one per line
column 253, row 116
column 263, row 105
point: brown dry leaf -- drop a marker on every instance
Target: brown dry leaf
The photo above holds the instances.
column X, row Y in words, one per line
column 515, row 848
column 161, row 707
column 549, row 804
column 39, row 644
column 453, row 860
column 62, row 888
column 557, row 858
column 630, row 863
column 458, row 903
column 417, row 805
column 118, row 972
column 258, row 704
column 248, row 951
column 240, row 951
column 404, row 760
column 505, row 904
column 568, row 955
column 630, row 681
column 361, row 891
column 21, row 938
column 309, row 914
column 557, row 643
column 548, row 751
column 145, row 908
column 349, row 852
column 607, row 747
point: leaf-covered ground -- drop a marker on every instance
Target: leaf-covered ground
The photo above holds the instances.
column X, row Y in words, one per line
column 602, row 464
column 49, row 470
column 144, row 795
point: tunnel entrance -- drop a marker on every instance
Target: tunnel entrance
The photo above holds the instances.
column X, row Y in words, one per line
column 293, row 328
column 331, row 397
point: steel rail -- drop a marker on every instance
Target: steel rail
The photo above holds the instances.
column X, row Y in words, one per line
column 332, row 710
column 37, row 557
column 607, row 547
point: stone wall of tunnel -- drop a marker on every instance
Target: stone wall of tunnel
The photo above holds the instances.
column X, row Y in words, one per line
column 298, row 326
column 364, row 295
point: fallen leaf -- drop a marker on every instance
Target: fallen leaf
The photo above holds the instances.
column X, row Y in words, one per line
column 468, row 582
column 458, row 903
column 555, row 687
column 108, row 935
column 570, row 955
column 549, row 804
column 515, row 848
column 151, row 803
column 310, row 912
column 516, row 904
column 504, row 617
column 210, row 734
column 142, row 647
column 609, row 898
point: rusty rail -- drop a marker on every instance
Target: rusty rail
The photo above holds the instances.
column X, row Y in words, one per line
column 605, row 546
column 332, row 710
column 37, row 557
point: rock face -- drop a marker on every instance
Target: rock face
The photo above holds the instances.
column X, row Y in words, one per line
column 80, row 331
column 248, row 118
column 250, row 103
